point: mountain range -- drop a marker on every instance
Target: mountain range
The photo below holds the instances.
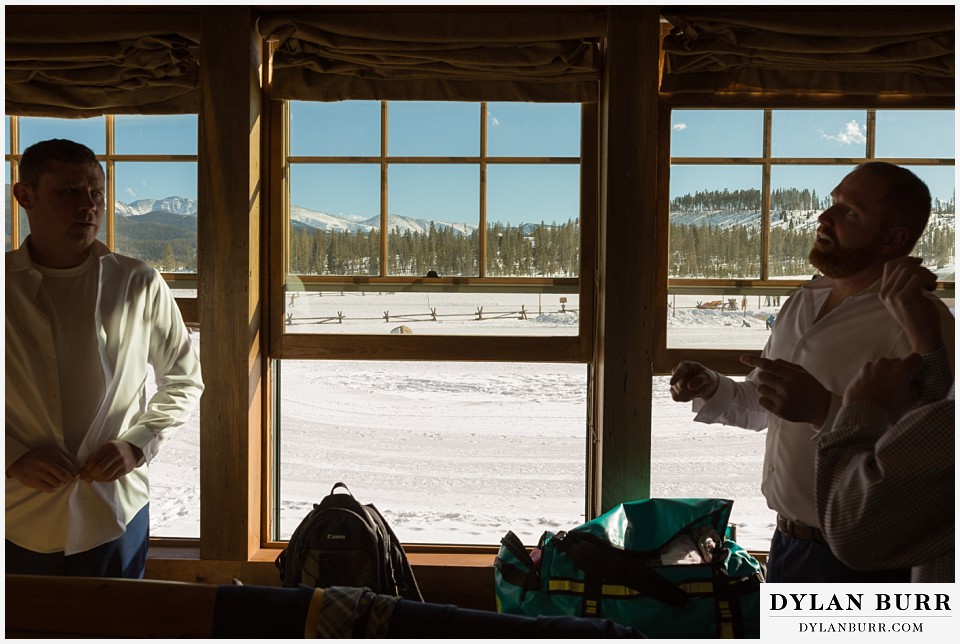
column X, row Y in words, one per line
column 180, row 213
column 172, row 209
column 177, row 211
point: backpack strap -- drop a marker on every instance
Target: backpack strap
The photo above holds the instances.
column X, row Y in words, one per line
column 607, row 562
column 406, row 581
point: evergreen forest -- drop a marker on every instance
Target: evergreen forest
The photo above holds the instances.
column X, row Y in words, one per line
column 713, row 234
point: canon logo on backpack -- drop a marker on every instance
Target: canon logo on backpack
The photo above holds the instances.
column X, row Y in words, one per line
column 339, row 537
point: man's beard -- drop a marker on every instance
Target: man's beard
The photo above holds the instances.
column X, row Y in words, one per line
column 843, row 262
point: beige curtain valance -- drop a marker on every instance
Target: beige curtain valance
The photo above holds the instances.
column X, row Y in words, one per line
column 135, row 63
column 436, row 55
column 817, row 50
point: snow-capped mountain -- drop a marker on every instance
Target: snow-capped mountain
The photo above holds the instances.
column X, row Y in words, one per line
column 175, row 205
column 312, row 218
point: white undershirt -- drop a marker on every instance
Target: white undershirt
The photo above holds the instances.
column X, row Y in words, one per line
column 72, row 296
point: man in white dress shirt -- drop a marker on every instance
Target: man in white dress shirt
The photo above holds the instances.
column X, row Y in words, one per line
column 83, row 325
column 822, row 337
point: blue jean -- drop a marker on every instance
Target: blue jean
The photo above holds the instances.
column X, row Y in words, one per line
column 794, row 560
column 125, row 556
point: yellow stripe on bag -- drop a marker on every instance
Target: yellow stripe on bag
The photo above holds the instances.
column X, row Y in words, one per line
column 610, row 590
column 565, row 585
column 726, row 621
column 590, row 608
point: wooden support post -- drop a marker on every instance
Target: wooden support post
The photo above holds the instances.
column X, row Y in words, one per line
column 628, row 251
column 231, row 305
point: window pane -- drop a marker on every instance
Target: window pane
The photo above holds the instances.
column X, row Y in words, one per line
column 533, row 220
column 434, row 216
column 731, row 468
column 171, row 134
column 533, row 129
column 715, row 221
column 350, row 128
column 335, row 219
column 937, row 245
column 476, row 449
column 156, row 213
column 916, row 133
column 90, row 132
column 720, row 318
column 716, row 133
column 819, row 133
column 175, row 475
column 437, row 129
column 422, row 309
column 798, row 195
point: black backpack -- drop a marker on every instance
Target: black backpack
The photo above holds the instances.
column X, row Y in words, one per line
column 343, row 542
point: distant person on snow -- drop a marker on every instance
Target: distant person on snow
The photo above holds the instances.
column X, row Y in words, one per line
column 824, row 334
column 83, row 325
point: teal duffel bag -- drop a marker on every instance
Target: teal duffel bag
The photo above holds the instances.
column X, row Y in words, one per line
column 659, row 565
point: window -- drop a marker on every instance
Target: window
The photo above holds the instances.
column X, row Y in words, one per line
column 150, row 163
column 450, row 452
column 467, row 192
column 475, row 287
column 746, row 188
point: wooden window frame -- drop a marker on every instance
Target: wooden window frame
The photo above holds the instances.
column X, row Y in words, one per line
column 353, row 346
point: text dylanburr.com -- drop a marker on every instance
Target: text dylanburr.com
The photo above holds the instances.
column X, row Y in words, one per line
column 797, row 612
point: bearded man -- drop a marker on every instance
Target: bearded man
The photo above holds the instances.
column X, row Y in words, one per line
column 823, row 335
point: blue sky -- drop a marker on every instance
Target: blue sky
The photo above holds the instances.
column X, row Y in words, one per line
column 515, row 193
column 446, row 191
column 807, row 134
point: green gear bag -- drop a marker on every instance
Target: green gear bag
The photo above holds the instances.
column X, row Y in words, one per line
column 612, row 567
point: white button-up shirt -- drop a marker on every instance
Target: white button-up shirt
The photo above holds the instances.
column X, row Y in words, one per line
column 138, row 322
column 832, row 349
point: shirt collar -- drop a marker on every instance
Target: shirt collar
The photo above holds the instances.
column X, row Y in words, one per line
column 20, row 258
column 825, row 282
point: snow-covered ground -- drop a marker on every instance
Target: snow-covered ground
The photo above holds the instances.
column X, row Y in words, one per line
column 464, row 452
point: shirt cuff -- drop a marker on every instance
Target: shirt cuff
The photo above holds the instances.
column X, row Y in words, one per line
column 857, row 416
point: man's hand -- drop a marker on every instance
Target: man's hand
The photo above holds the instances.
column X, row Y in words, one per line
column 888, row 383
column 789, row 391
column 47, row 469
column 112, row 461
column 692, row 380
column 902, row 290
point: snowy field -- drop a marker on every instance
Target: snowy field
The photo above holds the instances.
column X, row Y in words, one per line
column 464, row 452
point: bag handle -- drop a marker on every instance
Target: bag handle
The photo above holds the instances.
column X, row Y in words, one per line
column 340, row 484
column 615, row 565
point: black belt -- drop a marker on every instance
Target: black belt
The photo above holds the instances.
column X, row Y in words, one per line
column 798, row 530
